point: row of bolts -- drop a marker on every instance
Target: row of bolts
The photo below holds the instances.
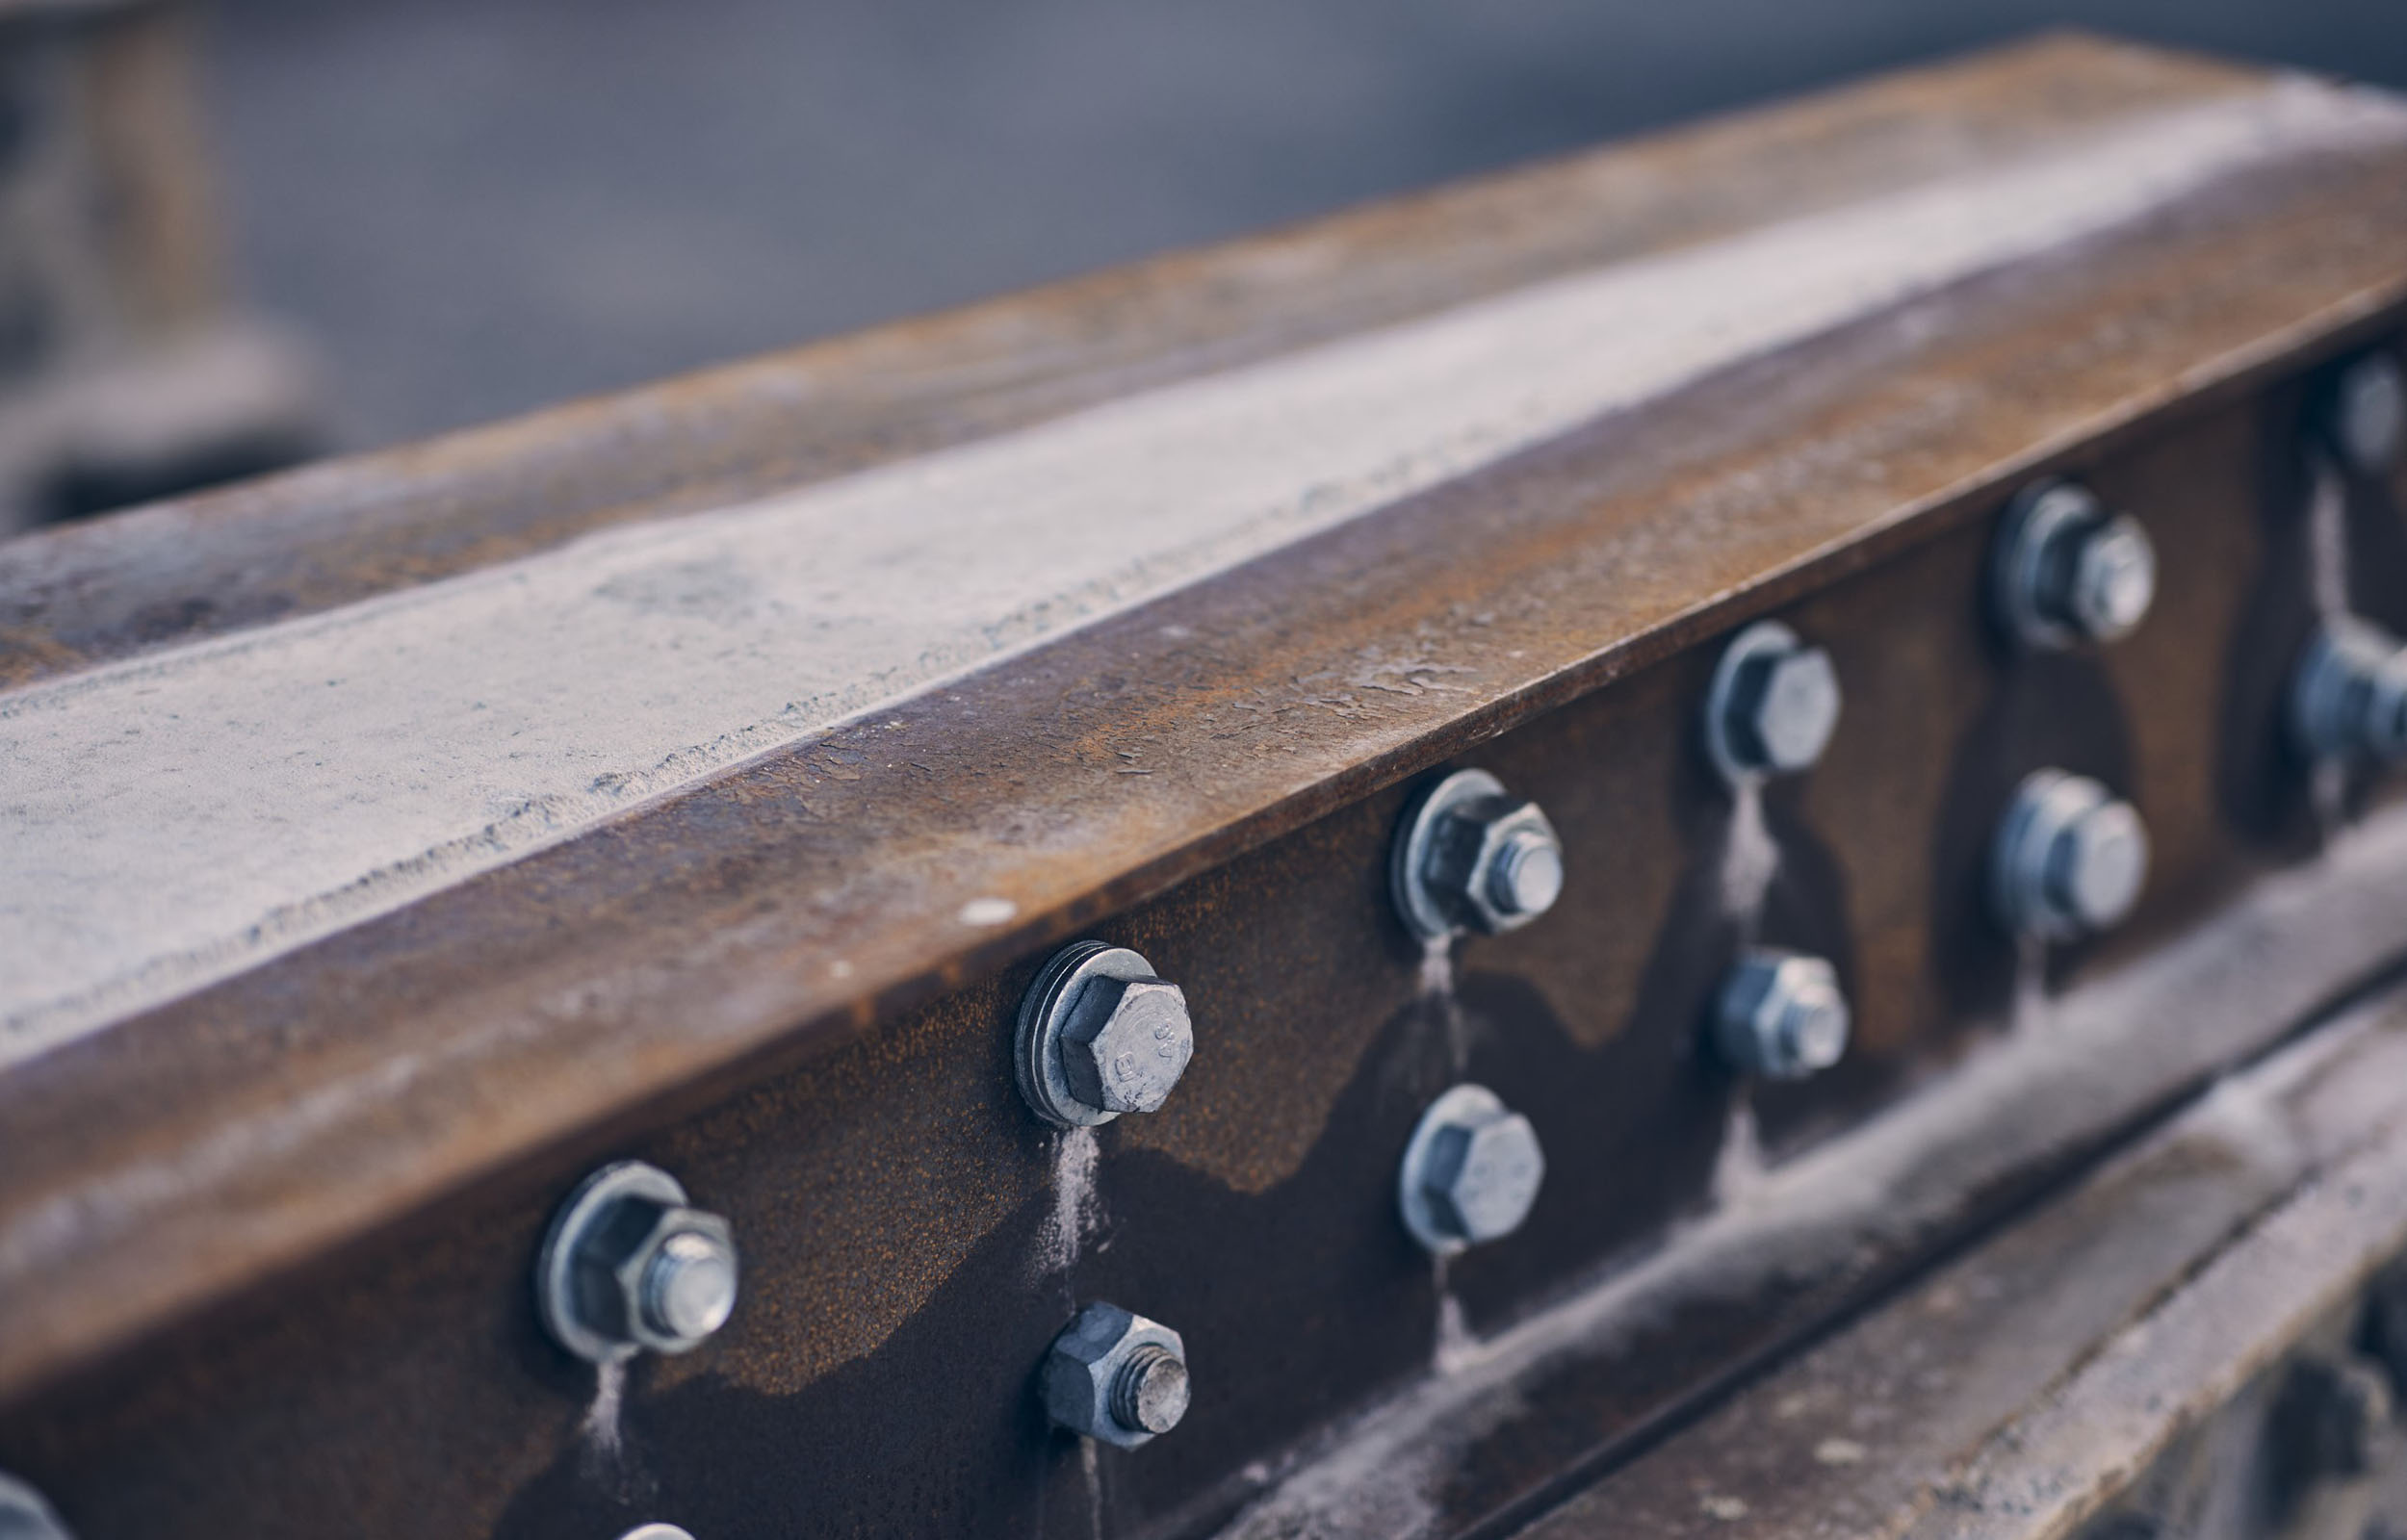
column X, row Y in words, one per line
column 630, row 1265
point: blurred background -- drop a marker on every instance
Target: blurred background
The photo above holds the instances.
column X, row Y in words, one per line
column 449, row 210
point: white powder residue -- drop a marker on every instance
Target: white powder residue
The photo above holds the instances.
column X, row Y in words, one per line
column 1438, row 965
column 2026, row 1009
column 1739, row 1164
column 606, row 1460
column 1090, row 1467
column 1749, row 860
column 1077, row 1209
column 2327, row 538
column 1455, row 1349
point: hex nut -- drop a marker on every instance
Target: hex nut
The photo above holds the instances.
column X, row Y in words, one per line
column 627, row 1265
column 1126, row 1043
column 25, row 1515
column 1099, row 1035
column 1470, row 856
column 683, row 1278
column 2066, row 570
column 2367, row 414
column 2070, row 857
column 2348, row 698
column 1772, row 706
column 1781, row 1015
column 1471, row 1172
column 2113, row 579
column 1116, row 1377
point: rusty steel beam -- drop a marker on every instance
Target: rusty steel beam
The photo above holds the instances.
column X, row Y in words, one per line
column 359, row 985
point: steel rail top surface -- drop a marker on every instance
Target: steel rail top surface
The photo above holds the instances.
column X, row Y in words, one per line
column 374, row 825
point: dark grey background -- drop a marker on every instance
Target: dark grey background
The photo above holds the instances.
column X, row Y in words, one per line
column 477, row 206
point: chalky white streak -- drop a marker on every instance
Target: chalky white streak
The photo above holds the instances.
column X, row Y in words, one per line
column 174, row 819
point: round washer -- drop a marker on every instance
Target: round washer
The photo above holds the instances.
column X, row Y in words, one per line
column 1766, row 638
column 1409, row 856
column 556, row 1287
column 1463, row 1103
column 1043, row 1011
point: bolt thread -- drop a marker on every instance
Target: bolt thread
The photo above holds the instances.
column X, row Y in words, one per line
column 1129, row 1403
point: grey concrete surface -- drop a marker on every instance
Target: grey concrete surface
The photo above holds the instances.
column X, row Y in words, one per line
column 477, row 206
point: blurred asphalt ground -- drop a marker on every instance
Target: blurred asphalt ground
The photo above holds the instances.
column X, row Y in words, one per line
column 473, row 207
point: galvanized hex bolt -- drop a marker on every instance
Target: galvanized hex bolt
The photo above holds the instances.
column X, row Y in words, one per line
column 2348, row 699
column 627, row 1265
column 1099, row 1035
column 25, row 1516
column 1470, row 1173
column 2065, row 570
column 2070, row 857
column 1469, row 856
column 1772, row 706
column 1116, row 1377
column 2368, row 421
column 1781, row 1015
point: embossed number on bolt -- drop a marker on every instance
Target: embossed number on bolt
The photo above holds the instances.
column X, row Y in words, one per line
column 1099, row 1035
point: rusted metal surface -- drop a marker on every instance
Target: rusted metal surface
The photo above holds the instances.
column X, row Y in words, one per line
column 310, row 1194
column 2039, row 1384
column 340, row 1087
column 895, row 1201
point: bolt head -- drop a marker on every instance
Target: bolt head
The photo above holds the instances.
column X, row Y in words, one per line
column 627, row 1265
column 2065, row 570
column 2070, row 858
column 1126, row 1043
column 2113, row 579
column 1470, row 856
column 2348, row 698
column 1517, row 874
column 2097, row 864
column 1782, row 1015
column 676, row 1281
column 1483, row 1177
column 2369, row 414
column 1797, row 710
column 1116, row 1377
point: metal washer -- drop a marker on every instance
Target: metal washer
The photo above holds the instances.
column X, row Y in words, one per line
column 1463, row 1103
column 2039, row 516
column 556, row 1283
column 1766, row 638
column 1409, row 856
column 1045, row 1010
